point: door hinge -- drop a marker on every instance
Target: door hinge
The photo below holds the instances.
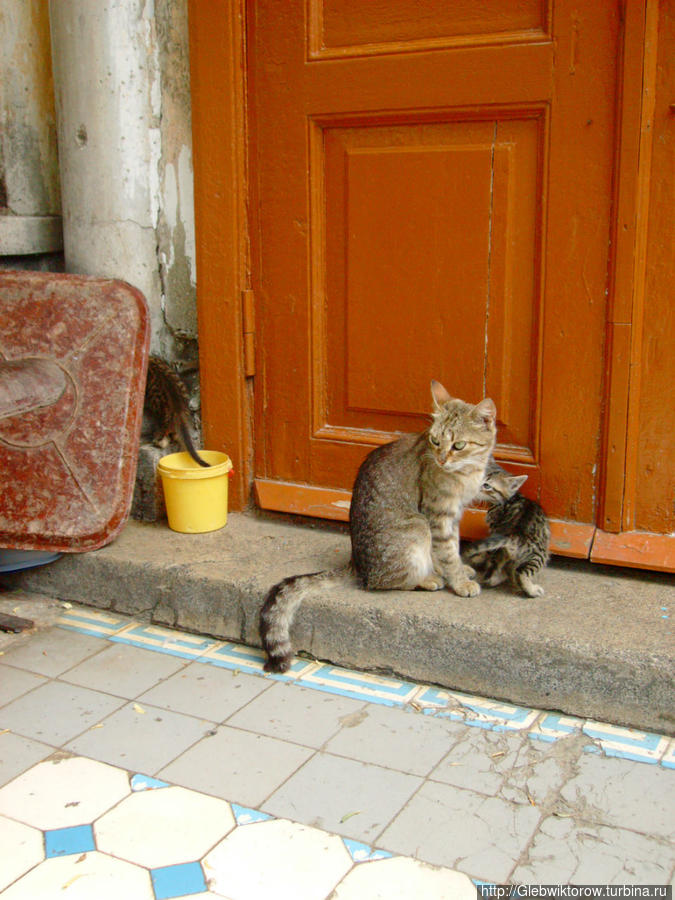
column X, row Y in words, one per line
column 248, row 321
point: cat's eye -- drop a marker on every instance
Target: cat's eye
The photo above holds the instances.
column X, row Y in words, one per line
column 434, row 441
column 459, row 445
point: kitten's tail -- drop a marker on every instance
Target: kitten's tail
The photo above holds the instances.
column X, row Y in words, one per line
column 279, row 608
column 163, row 379
column 186, row 437
column 485, row 545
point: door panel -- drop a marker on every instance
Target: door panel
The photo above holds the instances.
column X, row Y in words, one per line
column 342, row 27
column 440, row 200
column 439, row 213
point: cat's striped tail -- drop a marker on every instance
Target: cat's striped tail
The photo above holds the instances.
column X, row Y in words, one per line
column 189, row 445
column 279, row 608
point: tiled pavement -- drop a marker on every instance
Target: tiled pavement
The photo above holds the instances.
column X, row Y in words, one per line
column 139, row 762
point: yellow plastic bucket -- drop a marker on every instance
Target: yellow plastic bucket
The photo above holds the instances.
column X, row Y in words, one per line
column 196, row 496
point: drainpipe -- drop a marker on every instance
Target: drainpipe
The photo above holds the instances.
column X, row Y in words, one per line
column 106, row 85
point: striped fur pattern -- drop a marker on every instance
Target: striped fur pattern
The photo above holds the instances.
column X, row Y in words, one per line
column 167, row 406
column 278, row 611
column 407, row 501
column 518, row 546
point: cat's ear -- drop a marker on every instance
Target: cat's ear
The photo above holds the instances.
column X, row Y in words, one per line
column 439, row 394
column 487, row 410
column 517, row 481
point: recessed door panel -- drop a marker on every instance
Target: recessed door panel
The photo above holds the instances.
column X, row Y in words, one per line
column 427, row 273
column 341, row 27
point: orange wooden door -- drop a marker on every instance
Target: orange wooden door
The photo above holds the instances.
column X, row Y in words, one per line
column 430, row 198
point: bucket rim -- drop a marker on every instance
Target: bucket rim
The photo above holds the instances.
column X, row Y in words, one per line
column 169, row 466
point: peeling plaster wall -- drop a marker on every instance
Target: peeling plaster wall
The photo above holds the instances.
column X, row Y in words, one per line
column 28, row 155
column 121, row 77
column 176, row 229
column 30, row 196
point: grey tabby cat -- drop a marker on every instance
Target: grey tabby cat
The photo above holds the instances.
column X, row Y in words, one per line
column 517, row 548
column 166, row 403
column 406, row 505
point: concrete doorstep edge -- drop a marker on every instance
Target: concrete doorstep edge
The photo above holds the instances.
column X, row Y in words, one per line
column 379, row 632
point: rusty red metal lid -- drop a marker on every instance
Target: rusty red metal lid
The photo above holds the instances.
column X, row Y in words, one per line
column 73, row 360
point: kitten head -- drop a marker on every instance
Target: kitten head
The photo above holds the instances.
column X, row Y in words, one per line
column 461, row 436
column 499, row 485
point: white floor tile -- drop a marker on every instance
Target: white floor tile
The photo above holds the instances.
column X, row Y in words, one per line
column 21, row 849
column 163, row 827
column 277, row 859
column 62, row 792
column 94, row 875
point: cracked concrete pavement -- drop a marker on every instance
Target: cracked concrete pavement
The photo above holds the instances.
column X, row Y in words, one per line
column 498, row 805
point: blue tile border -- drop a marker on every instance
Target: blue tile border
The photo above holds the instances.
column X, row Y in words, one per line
column 553, row 726
column 360, row 685
column 668, row 759
column 627, row 743
column 474, row 711
column 241, row 658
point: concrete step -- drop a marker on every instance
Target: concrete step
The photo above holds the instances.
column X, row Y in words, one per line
column 599, row 644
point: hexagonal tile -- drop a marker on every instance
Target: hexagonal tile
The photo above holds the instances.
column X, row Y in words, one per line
column 401, row 878
column 164, row 827
column 21, row 850
column 81, row 878
column 301, row 863
column 58, row 793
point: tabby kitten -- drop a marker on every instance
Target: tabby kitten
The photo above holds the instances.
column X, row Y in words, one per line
column 166, row 404
column 517, row 548
column 406, row 505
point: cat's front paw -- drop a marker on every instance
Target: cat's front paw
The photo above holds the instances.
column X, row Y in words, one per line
column 432, row 582
column 529, row 587
column 467, row 588
column 468, row 571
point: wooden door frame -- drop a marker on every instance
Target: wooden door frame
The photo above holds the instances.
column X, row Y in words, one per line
column 218, row 85
column 614, row 540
